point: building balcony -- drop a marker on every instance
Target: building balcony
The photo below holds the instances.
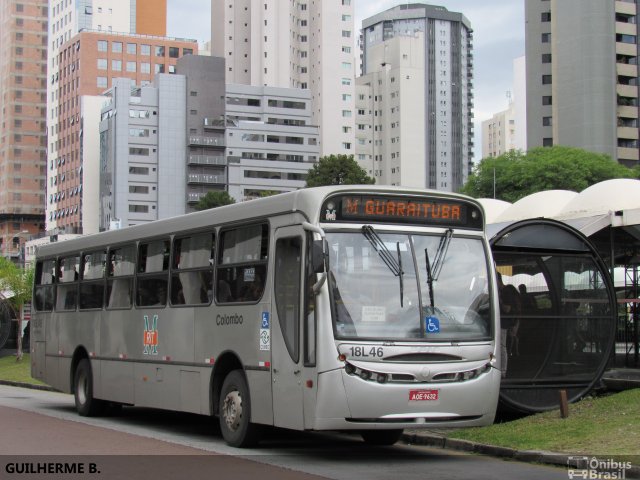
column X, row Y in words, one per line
column 627, row 133
column 210, row 141
column 628, row 154
column 207, row 160
column 206, row 179
column 627, row 112
column 626, row 70
column 627, row 91
column 214, row 123
column 626, row 49
column 626, row 28
column 625, row 8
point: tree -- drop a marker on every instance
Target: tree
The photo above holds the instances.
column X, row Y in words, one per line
column 338, row 170
column 19, row 282
column 213, row 199
column 515, row 174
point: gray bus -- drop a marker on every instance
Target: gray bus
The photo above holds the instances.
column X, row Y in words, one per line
column 335, row 308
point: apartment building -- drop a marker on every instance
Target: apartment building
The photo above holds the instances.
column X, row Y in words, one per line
column 66, row 19
column 88, row 65
column 414, row 124
column 23, row 84
column 582, row 76
column 305, row 44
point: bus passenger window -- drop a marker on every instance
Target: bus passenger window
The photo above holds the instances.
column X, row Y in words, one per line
column 68, row 283
column 120, row 270
column 92, row 281
column 192, row 269
column 44, row 280
column 242, row 264
column 153, row 268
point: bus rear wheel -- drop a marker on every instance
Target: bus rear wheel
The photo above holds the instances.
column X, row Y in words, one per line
column 235, row 412
column 381, row 437
column 86, row 404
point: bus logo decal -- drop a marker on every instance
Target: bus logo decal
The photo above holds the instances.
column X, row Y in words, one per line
column 150, row 339
column 265, row 334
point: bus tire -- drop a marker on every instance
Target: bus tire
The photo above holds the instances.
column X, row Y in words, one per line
column 235, row 412
column 381, row 437
column 86, row 404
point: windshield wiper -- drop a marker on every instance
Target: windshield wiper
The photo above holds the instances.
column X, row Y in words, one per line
column 394, row 264
column 438, row 261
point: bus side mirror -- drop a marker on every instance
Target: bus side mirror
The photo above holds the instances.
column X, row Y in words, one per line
column 318, row 257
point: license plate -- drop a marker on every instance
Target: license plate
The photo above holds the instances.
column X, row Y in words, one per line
column 423, row 395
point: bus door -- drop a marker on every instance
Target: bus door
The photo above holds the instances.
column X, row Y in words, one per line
column 286, row 329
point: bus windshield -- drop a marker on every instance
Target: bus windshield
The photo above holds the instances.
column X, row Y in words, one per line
column 381, row 290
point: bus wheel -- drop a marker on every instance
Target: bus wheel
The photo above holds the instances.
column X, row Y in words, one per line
column 235, row 412
column 381, row 437
column 86, row 405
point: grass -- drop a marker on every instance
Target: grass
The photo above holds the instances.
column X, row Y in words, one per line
column 17, row 371
column 602, row 426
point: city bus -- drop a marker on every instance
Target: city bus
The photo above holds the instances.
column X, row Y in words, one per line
column 362, row 308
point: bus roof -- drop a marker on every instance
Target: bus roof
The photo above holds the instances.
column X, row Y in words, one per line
column 307, row 201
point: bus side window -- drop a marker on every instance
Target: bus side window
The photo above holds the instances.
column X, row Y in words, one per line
column 120, row 270
column 192, row 269
column 153, row 269
column 44, row 285
column 242, row 264
column 67, row 298
column 92, row 280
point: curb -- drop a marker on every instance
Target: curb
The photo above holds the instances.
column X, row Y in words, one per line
column 11, row 383
column 528, row 456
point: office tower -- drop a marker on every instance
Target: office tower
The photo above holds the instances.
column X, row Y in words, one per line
column 271, row 140
column 142, row 148
column 582, row 76
column 87, row 66
column 414, row 99
column 23, row 79
column 66, row 19
column 304, row 44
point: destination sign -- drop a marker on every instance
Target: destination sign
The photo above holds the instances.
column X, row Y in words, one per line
column 402, row 209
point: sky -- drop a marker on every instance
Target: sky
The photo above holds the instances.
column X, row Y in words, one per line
column 498, row 39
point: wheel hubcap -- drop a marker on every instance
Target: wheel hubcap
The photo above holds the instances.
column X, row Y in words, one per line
column 232, row 410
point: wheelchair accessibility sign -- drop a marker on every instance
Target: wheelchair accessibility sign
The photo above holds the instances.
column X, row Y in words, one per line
column 432, row 325
column 265, row 333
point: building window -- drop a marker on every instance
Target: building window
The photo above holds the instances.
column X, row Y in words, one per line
column 546, row 38
column 159, row 51
column 145, row 49
column 545, row 17
column 102, row 64
column 547, row 121
column 116, row 65
column 546, row 58
column 546, row 79
column 547, row 100
column 547, row 142
column 102, row 45
column 174, row 52
column 116, row 47
column 131, row 66
column 101, row 82
column 145, row 67
column 131, row 48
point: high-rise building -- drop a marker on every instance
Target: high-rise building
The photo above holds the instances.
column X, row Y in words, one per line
column 414, row 123
column 582, row 76
column 271, row 140
column 23, row 85
column 88, row 64
column 304, row 44
column 142, row 152
column 66, row 19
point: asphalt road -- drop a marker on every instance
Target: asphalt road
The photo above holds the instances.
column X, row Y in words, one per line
column 40, row 430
